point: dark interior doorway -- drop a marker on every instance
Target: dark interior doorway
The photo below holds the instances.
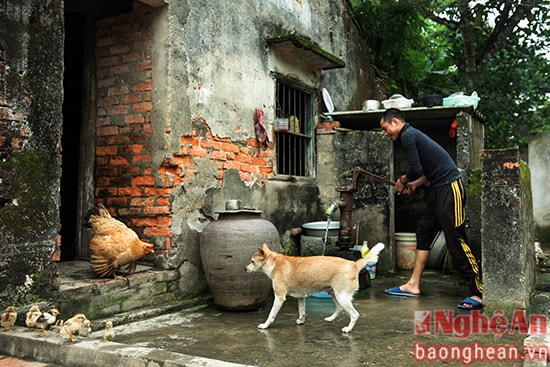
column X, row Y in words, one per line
column 75, row 24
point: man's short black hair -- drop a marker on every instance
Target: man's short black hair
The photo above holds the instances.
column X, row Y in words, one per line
column 391, row 113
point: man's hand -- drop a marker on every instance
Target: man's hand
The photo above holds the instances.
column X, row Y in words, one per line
column 407, row 188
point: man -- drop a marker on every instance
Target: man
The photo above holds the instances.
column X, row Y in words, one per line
column 445, row 199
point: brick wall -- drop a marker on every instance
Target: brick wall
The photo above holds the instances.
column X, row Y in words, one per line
column 125, row 178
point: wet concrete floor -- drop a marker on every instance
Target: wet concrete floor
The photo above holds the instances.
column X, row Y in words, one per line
column 383, row 336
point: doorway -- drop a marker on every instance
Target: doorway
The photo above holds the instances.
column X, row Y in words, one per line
column 75, row 26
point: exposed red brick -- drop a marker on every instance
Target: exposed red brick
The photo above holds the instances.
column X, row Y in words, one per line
column 117, row 201
column 107, row 61
column 253, row 143
column 119, row 69
column 144, row 106
column 119, row 49
column 157, row 231
column 206, row 144
column 107, row 130
column 164, row 221
column 130, row 57
column 145, row 222
column 118, row 91
column 145, row 65
column 197, row 152
column 227, row 147
column 134, row 98
column 156, row 210
column 106, row 150
column 129, row 191
column 222, row 156
column 247, row 168
column 118, row 140
column 264, row 171
column 181, row 160
column 243, row 158
column 143, row 181
column 230, row 165
column 107, row 171
column 118, row 110
column 163, row 201
column 142, row 201
column 118, row 161
column 141, row 87
column 141, row 158
column 258, row 161
column 158, row 191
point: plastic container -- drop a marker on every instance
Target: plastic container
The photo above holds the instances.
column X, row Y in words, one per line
column 460, row 99
column 438, row 251
column 317, row 229
column 321, row 295
column 371, row 268
column 432, row 100
column 405, row 250
column 397, row 101
column 371, row 104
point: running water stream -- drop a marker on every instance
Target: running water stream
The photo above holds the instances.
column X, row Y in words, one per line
column 325, row 240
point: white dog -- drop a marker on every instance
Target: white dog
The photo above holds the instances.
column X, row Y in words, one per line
column 300, row 277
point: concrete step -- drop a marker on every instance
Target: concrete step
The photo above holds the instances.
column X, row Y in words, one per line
column 93, row 351
column 144, row 293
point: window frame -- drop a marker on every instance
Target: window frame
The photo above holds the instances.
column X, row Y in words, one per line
column 307, row 132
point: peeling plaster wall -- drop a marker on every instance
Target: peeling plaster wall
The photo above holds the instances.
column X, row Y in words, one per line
column 31, row 74
column 207, row 68
column 221, row 51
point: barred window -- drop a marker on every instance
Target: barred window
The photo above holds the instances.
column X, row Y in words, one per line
column 294, row 129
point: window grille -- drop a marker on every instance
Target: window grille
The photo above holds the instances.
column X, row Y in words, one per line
column 294, row 141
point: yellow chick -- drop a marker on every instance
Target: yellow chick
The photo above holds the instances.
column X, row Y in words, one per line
column 32, row 316
column 8, row 318
column 47, row 319
column 56, row 328
column 73, row 325
column 109, row 333
column 85, row 329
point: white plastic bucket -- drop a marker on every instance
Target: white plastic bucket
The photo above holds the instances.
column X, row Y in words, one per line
column 405, row 250
column 371, row 268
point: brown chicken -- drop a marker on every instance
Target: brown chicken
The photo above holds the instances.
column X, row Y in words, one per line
column 8, row 318
column 114, row 244
column 73, row 325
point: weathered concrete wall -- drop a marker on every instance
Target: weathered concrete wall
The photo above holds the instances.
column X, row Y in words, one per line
column 31, row 74
column 373, row 202
column 539, row 156
column 508, row 255
column 223, row 50
column 166, row 158
column 469, row 144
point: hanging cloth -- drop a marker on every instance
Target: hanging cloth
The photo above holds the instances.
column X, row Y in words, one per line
column 259, row 126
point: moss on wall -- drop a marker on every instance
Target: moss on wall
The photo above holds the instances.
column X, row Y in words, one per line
column 25, row 217
column 30, row 164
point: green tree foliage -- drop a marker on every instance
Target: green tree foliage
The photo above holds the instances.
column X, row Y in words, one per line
column 495, row 47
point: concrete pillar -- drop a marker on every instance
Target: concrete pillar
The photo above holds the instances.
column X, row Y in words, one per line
column 507, row 231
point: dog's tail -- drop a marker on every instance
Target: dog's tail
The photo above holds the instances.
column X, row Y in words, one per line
column 371, row 256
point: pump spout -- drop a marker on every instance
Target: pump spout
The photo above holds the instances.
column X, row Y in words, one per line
column 329, row 213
